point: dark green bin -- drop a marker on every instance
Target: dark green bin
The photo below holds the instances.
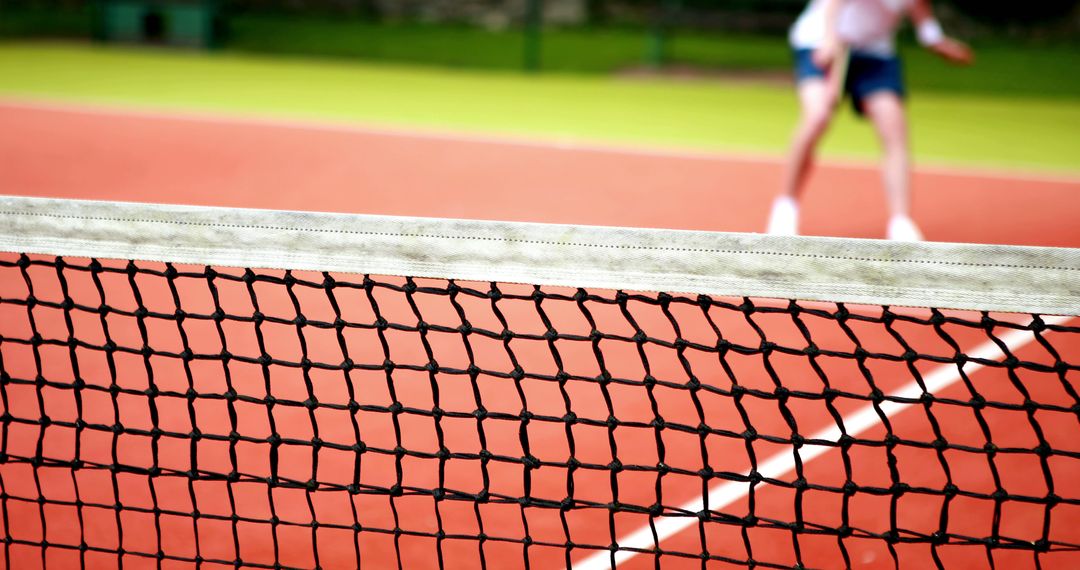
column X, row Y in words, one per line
column 190, row 23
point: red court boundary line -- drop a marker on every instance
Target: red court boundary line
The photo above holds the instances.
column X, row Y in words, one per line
column 568, row 144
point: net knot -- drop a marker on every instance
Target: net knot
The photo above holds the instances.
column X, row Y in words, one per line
column 615, row 466
column 530, row 462
column 570, row 418
column 658, row 423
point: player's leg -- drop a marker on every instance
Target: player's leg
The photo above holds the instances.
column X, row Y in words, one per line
column 885, row 110
column 818, row 96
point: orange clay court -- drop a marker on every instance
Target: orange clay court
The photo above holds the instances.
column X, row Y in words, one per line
column 439, row 484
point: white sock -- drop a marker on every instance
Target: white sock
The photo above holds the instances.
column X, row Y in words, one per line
column 903, row 228
column 784, row 219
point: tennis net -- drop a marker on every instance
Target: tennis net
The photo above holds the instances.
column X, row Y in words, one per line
column 226, row 388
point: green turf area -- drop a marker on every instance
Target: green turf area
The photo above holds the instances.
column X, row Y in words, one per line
column 993, row 131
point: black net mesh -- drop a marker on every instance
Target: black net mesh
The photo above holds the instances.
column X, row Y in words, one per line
column 156, row 415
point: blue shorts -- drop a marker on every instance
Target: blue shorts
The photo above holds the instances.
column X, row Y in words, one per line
column 867, row 74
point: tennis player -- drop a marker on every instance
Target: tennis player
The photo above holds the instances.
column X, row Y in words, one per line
column 848, row 47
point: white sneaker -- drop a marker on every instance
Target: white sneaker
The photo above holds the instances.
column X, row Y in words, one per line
column 903, row 228
column 784, row 219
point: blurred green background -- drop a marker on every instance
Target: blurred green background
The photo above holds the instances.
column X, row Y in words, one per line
column 691, row 74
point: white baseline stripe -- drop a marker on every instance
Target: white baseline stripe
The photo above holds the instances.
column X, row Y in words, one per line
column 568, row 144
column 862, row 420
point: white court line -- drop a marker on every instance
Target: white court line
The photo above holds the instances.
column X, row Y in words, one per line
column 569, row 144
column 862, row 420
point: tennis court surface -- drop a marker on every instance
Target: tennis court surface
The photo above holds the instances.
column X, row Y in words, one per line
column 280, row 389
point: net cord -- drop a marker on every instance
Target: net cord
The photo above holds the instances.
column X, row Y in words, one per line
column 956, row 276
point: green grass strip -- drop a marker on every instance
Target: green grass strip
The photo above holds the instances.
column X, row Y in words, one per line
column 1021, row 132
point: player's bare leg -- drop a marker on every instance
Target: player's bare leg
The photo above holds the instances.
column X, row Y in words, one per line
column 886, row 111
column 817, row 100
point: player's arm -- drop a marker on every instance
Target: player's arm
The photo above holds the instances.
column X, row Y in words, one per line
column 933, row 38
column 831, row 47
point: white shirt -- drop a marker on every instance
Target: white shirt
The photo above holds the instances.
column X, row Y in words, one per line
column 866, row 25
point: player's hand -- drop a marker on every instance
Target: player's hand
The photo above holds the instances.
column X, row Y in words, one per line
column 954, row 51
column 826, row 54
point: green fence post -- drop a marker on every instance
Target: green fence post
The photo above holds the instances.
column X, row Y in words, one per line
column 534, row 16
column 666, row 14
